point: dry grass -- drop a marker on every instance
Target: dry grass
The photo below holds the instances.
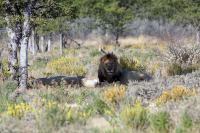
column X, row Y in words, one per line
column 90, row 98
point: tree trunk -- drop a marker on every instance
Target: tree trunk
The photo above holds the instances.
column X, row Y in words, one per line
column 12, row 46
column 37, row 42
column 117, row 42
column 197, row 34
column 23, row 50
column 42, row 43
column 61, row 43
column 30, row 44
column 33, row 41
column 49, row 42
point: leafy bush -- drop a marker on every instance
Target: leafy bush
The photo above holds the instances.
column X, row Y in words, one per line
column 113, row 97
column 5, row 73
column 160, row 121
column 175, row 94
column 135, row 117
column 187, row 121
column 56, row 117
column 67, row 66
column 97, row 106
column 5, row 90
column 80, row 98
column 55, row 114
column 95, row 53
column 40, row 63
column 129, row 64
column 174, row 69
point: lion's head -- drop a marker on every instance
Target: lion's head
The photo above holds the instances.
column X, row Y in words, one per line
column 109, row 69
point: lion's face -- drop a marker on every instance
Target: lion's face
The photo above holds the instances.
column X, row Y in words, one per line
column 109, row 66
column 109, row 69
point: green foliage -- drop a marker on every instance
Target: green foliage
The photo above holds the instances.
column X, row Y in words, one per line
column 144, row 56
column 80, row 98
column 190, row 69
column 5, row 73
column 174, row 69
column 135, row 117
column 5, row 90
column 160, row 121
column 56, row 117
column 129, row 64
column 113, row 131
column 181, row 130
column 66, row 66
column 40, row 63
column 187, row 121
column 98, row 106
column 113, row 15
column 95, row 53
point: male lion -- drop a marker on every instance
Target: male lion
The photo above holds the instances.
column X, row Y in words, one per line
column 109, row 69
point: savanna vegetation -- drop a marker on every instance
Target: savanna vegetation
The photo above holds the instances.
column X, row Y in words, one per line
column 62, row 38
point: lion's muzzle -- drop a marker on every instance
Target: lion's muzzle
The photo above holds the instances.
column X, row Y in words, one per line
column 110, row 72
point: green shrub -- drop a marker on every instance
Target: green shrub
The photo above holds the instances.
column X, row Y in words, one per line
column 176, row 69
column 95, row 53
column 129, row 64
column 66, row 66
column 135, row 117
column 97, row 106
column 160, row 121
column 187, row 121
column 5, row 73
column 5, row 90
column 181, row 130
column 80, row 98
column 40, row 63
column 56, row 117
column 190, row 69
column 173, row 69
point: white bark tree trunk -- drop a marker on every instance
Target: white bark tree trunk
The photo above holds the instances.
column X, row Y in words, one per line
column 197, row 34
column 49, row 42
column 23, row 51
column 61, row 43
column 12, row 46
column 42, row 43
column 30, row 45
column 33, row 41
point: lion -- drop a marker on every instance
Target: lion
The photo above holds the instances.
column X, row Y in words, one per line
column 56, row 81
column 110, row 71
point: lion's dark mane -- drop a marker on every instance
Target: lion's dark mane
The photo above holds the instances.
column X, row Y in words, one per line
column 102, row 74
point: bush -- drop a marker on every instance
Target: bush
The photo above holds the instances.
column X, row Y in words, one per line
column 67, row 66
column 5, row 73
column 5, row 90
column 98, row 106
column 95, row 53
column 40, row 63
column 113, row 97
column 129, row 64
column 174, row 69
column 175, row 94
column 80, row 98
column 160, row 122
column 187, row 121
column 135, row 117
